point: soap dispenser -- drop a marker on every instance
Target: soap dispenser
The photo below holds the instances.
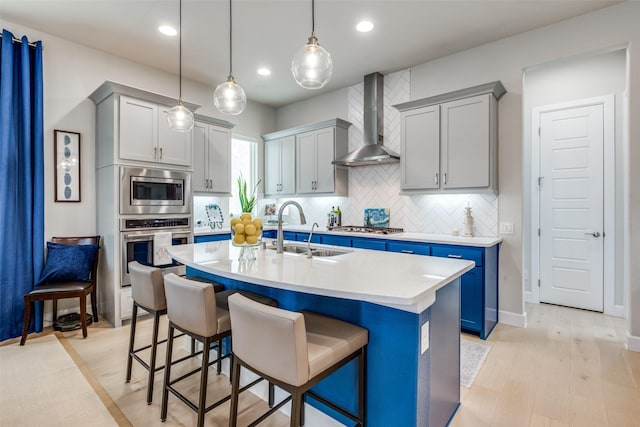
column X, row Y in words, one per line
column 468, row 222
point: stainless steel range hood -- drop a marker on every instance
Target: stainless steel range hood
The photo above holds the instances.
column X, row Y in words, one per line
column 372, row 152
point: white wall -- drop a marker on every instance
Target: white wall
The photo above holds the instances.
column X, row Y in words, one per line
column 575, row 78
column 322, row 107
column 505, row 60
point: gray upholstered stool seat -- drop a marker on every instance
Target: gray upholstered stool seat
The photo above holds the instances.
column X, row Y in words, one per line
column 295, row 351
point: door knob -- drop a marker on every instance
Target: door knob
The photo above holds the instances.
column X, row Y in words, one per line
column 594, row 234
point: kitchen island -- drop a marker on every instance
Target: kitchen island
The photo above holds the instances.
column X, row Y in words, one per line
column 410, row 304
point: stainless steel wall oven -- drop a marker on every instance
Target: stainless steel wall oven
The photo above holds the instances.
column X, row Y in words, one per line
column 137, row 237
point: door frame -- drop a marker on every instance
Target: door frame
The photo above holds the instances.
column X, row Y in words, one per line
column 608, row 103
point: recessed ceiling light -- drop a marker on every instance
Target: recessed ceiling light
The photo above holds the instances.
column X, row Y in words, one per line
column 364, row 26
column 167, row 30
column 264, row 71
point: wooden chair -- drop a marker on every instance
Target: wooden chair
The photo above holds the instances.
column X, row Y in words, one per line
column 66, row 289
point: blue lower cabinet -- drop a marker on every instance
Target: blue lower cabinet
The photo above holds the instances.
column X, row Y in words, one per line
column 270, row 234
column 472, row 300
column 289, row 235
column 366, row 243
column 336, row 240
column 212, row 238
column 479, row 287
column 409, row 248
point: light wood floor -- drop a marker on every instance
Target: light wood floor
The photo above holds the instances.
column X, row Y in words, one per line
column 567, row 368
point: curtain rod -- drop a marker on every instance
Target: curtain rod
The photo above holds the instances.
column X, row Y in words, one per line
column 15, row 40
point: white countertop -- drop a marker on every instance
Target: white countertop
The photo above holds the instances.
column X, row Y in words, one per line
column 402, row 281
column 483, row 242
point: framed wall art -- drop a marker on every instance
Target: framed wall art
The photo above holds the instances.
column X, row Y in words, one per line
column 67, row 165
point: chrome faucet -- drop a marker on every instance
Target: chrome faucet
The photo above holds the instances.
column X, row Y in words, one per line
column 303, row 220
column 309, row 255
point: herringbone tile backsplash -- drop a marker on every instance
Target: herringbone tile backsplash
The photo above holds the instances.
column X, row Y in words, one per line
column 379, row 186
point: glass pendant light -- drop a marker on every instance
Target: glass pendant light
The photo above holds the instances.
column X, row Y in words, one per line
column 179, row 117
column 229, row 97
column 311, row 66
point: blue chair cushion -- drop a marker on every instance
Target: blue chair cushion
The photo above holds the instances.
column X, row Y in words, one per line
column 68, row 263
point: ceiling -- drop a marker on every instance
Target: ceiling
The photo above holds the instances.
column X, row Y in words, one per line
column 269, row 32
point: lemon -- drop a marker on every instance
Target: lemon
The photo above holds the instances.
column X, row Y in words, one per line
column 252, row 239
column 250, row 229
column 245, row 215
column 239, row 228
column 239, row 239
column 234, row 221
column 258, row 223
column 246, row 221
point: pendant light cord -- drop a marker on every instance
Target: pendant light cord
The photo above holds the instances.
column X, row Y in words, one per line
column 313, row 18
column 180, row 55
column 230, row 42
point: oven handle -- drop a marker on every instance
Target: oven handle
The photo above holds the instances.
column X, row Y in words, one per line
column 141, row 237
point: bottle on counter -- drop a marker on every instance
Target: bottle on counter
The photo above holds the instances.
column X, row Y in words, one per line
column 338, row 213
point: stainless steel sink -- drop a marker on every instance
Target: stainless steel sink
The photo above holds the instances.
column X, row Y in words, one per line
column 327, row 252
column 317, row 252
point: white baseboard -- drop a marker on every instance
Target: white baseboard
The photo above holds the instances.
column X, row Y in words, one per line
column 513, row 319
column 633, row 342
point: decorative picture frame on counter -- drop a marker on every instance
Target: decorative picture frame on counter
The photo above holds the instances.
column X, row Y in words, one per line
column 66, row 154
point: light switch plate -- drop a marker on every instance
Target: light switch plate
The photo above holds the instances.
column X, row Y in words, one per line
column 424, row 338
column 506, row 228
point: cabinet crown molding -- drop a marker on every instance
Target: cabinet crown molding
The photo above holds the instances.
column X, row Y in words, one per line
column 213, row 121
column 306, row 128
column 103, row 91
column 495, row 88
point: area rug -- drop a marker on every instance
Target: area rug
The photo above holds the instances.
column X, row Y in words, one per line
column 43, row 375
column 472, row 356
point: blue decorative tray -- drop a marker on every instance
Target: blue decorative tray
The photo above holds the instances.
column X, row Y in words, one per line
column 376, row 217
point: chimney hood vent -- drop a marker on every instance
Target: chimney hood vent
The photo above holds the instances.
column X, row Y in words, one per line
column 372, row 152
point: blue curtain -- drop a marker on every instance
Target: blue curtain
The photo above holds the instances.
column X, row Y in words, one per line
column 22, row 180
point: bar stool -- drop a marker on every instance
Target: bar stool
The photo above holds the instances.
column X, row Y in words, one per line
column 295, row 351
column 192, row 309
column 147, row 291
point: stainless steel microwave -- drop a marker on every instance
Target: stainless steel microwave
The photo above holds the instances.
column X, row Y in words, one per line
column 154, row 191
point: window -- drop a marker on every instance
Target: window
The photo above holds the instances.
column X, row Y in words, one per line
column 244, row 159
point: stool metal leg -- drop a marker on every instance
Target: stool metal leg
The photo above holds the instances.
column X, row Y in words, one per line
column 235, row 393
column 132, row 337
column 219, row 351
column 167, row 374
column 152, row 362
column 204, row 376
column 296, row 408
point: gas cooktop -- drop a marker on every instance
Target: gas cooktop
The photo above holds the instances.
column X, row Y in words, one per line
column 366, row 229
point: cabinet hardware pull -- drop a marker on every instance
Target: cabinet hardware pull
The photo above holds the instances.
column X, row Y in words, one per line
column 407, row 251
column 160, row 153
column 155, row 153
column 444, row 182
column 435, row 179
column 455, row 256
column 594, row 234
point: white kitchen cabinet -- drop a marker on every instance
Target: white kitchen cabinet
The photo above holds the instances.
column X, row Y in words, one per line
column 315, row 146
column 315, row 151
column 449, row 142
column 132, row 129
column 146, row 136
column 280, row 166
column 211, row 156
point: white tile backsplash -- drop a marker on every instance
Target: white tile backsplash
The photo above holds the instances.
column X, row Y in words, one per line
column 379, row 186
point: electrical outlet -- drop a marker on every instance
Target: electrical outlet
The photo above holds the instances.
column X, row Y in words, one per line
column 506, row 228
column 424, row 339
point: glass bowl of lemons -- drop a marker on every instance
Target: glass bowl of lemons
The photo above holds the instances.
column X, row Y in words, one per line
column 246, row 230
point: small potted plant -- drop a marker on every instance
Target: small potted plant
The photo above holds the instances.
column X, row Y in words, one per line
column 245, row 230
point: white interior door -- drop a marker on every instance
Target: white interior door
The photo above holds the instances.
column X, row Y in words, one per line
column 571, row 207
